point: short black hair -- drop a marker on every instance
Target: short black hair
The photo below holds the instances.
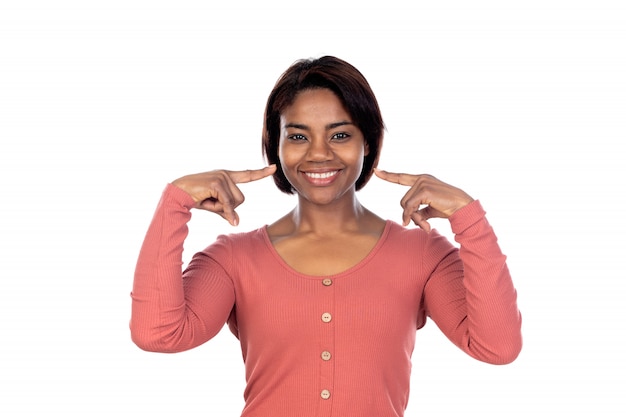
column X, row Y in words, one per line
column 353, row 91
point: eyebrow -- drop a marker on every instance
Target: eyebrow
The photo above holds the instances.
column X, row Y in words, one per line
column 328, row 126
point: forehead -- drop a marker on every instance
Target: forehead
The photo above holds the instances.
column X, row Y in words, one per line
column 319, row 103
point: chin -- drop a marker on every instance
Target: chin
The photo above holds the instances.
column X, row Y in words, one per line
column 323, row 197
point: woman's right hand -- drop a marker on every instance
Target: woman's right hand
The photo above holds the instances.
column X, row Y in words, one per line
column 217, row 191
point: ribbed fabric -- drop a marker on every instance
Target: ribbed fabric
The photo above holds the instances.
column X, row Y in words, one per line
column 337, row 346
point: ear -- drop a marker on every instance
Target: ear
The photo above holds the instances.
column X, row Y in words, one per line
column 366, row 148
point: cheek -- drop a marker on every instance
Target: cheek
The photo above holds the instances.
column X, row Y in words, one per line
column 280, row 152
column 281, row 155
column 361, row 160
column 287, row 161
column 289, row 154
column 359, row 155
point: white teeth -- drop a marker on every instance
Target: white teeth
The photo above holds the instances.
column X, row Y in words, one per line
column 320, row 175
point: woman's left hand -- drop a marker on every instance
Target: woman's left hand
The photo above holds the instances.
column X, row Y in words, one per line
column 440, row 199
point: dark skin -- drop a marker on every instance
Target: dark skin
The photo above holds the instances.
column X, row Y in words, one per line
column 321, row 153
column 328, row 250
column 436, row 198
column 303, row 246
column 217, row 191
column 299, row 243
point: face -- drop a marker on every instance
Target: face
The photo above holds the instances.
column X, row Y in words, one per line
column 321, row 151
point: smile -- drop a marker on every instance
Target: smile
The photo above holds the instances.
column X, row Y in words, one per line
column 320, row 175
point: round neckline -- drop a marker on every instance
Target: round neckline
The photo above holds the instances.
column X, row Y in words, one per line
column 358, row 265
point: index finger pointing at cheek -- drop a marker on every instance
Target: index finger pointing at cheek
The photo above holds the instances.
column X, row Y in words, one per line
column 250, row 175
column 396, row 178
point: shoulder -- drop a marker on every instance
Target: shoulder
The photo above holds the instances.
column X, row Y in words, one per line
column 230, row 247
column 415, row 240
column 398, row 234
column 239, row 241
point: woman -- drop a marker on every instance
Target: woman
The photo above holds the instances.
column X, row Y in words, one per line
column 326, row 301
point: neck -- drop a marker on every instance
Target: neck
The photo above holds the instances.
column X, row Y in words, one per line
column 330, row 218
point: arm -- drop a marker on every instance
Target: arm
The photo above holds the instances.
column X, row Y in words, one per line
column 163, row 317
column 470, row 294
column 171, row 310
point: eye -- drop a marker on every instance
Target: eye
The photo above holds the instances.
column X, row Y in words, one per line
column 297, row 137
column 340, row 136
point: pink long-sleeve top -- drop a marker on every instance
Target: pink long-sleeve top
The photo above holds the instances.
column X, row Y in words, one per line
column 333, row 346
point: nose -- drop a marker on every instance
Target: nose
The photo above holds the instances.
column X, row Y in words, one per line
column 319, row 150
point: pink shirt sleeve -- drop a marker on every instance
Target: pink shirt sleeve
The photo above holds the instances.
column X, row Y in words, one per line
column 472, row 299
column 165, row 316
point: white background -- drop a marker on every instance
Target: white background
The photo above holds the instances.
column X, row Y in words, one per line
column 520, row 103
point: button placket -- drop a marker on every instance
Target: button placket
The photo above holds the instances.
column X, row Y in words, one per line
column 327, row 343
